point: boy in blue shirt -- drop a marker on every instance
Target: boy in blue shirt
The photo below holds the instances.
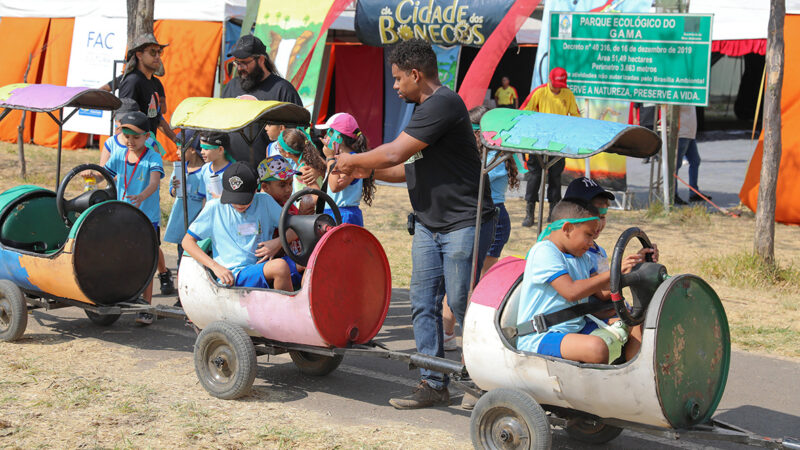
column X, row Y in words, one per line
column 240, row 224
column 559, row 273
column 137, row 172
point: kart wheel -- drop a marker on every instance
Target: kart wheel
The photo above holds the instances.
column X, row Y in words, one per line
column 315, row 365
column 225, row 360
column 13, row 312
column 509, row 419
column 102, row 320
column 591, row 431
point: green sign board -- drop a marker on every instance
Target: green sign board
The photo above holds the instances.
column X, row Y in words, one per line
column 650, row 58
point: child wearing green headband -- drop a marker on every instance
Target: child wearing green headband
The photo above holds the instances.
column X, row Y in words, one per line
column 295, row 145
column 558, row 274
column 214, row 148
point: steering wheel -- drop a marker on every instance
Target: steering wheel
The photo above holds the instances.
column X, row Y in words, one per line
column 309, row 228
column 87, row 199
column 643, row 280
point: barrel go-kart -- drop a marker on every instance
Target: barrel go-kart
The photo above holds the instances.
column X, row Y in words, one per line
column 89, row 251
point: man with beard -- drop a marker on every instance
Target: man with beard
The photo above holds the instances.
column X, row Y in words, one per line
column 257, row 79
column 140, row 84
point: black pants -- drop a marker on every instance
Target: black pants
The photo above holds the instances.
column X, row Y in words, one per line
column 534, row 178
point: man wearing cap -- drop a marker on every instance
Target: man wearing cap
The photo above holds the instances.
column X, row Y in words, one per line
column 239, row 223
column 256, row 79
column 552, row 98
column 140, row 84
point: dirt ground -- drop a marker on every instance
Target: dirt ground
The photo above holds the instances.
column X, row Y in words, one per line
column 105, row 396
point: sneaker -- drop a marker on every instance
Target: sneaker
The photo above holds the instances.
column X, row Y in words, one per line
column 144, row 318
column 468, row 401
column 167, row 287
column 450, row 343
column 696, row 198
column 680, row 201
column 423, row 396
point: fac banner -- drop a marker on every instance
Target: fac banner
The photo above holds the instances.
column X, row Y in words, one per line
column 96, row 43
column 289, row 30
column 441, row 22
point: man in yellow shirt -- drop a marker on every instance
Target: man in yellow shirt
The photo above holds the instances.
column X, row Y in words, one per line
column 552, row 98
column 506, row 96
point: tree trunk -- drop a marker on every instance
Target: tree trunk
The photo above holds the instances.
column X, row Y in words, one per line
column 765, row 211
column 140, row 19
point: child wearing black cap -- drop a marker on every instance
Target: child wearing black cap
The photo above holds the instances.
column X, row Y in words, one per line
column 587, row 190
column 137, row 171
column 240, row 224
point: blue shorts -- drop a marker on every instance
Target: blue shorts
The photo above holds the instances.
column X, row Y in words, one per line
column 297, row 278
column 252, row 276
column 502, row 231
column 551, row 342
column 158, row 232
column 350, row 214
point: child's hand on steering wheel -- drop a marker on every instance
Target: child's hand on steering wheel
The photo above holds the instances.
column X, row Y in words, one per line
column 653, row 252
column 631, row 261
column 266, row 250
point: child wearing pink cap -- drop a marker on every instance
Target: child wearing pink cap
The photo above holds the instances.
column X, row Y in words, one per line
column 344, row 136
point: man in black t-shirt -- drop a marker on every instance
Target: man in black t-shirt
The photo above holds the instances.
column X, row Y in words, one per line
column 437, row 156
column 257, row 79
column 140, row 84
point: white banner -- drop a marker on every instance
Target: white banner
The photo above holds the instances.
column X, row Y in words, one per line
column 96, row 43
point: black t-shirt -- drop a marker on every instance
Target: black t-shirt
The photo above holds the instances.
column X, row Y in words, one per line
column 443, row 178
column 148, row 94
column 271, row 88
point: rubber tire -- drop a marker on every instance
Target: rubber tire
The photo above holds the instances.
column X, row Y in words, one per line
column 102, row 320
column 14, row 311
column 315, row 365
column 601, row 434
column 514, row 408
column 225, row 340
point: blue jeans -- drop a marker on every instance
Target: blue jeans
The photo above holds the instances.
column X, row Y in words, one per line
column 441, row 263
column 688, row 148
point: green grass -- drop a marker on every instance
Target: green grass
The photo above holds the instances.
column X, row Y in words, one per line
column 690, row 216
column 747, row 270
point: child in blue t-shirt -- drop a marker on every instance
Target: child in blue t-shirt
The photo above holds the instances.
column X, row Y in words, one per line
column 344, row 136
column 138, row 171
column 195, row 196
column 214, row 148
column 559, row 273
column 240, row 225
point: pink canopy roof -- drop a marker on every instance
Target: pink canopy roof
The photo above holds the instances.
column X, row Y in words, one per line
column 48, row 97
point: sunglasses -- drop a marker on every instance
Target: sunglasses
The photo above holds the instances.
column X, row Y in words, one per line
column 155, row 51
column 243, row 62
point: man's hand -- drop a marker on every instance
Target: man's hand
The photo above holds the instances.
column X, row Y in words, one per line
column 224, row 275
column 267, row 250
column 344, row 165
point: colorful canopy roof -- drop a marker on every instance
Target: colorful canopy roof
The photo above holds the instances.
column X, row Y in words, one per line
column 48, row 97
column 231, row 114
column 564, row 136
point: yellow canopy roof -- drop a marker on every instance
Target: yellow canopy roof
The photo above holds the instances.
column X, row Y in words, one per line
column 231, row 114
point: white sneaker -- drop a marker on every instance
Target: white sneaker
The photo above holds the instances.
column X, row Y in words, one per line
column 450, row 342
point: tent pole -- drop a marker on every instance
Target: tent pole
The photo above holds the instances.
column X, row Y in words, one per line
column 758, row 103
column 664, row 165
column 543, row 162
column 58, row 158
column 587, row 171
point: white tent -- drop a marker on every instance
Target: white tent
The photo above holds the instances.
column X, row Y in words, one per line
column 209, row 10
column 739, row 19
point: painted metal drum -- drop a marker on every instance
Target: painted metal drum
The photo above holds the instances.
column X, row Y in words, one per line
column 343, row 300
column 675, row 381
column 107, row 256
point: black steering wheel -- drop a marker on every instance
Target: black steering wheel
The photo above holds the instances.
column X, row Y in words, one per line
column 87, row 199
column 643, row 280
column 309, row 228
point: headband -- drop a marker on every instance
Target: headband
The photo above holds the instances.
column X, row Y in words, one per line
column 603, row 211
column 476, row 126
column 558, row 224
column 205, row 146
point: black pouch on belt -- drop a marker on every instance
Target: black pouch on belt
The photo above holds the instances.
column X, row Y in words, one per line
column 412, row 220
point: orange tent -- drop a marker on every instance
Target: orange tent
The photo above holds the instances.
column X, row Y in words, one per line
column 787, row 207
column 28, row 36
column 190, row 63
